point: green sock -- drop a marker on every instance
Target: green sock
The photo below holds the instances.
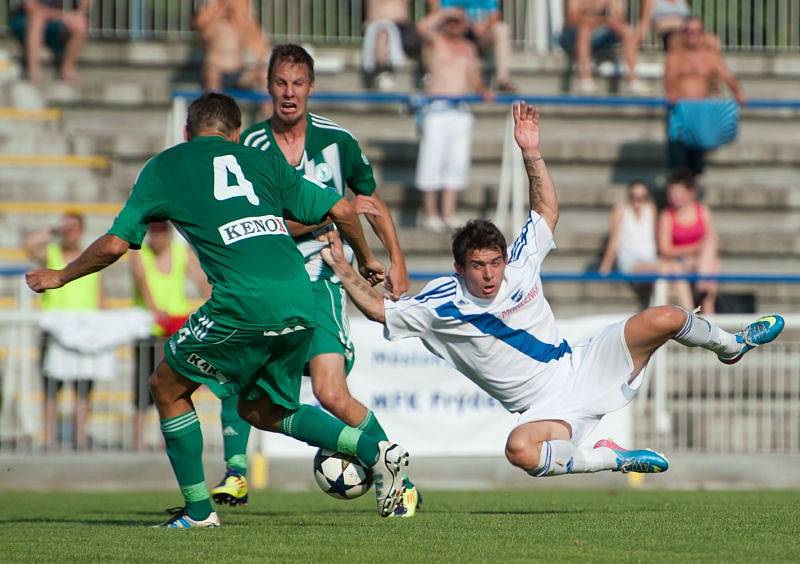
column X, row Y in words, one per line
column 317, row 428
column 372, row 427
column 235, row 433
column 184, row 442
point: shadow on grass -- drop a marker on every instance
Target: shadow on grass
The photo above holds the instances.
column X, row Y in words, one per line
column 39, row 521
column 520, row 512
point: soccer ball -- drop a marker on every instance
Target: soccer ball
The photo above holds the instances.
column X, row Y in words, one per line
column 340, row 475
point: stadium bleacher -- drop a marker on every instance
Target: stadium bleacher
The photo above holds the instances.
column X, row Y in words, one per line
column 88, row 142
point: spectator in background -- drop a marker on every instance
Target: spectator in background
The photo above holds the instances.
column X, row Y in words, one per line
column 632, row 242
column 452, row 65
column 593, row 25
column 667, row 18
column 688, row 238
column 236, row 51
column 37, row 22
column 55, row 247
column 489, row 31
column 160, row 270
column 389, row 34
column 696, row 124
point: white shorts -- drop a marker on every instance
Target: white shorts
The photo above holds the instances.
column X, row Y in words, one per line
column 589, row 383
column 444, row 151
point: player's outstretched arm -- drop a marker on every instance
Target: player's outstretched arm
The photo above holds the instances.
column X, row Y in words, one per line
column 100, row 254
column 366, row 298
column 382, row 224
column 346, row 219
column 541, row 192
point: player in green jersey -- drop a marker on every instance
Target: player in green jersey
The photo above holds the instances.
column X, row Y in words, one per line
column 251, row 337
column 325, row 151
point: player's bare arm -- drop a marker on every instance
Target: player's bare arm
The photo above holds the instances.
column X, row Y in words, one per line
column 100, row 254
column 396, row 282
column 366, row 298
column 346, row 219
column 541, row 192
column 364, row 205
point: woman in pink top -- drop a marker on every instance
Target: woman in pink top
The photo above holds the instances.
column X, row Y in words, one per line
column 687, row 236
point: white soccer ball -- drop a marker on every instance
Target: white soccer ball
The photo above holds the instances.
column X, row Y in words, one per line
column 340, row 475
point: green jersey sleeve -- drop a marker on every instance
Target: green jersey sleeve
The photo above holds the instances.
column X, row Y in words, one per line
column 146, row 203
column 358, row 169
column 305, row 199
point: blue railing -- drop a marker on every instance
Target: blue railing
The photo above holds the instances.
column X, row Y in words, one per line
column 591, row 276
column 378, row 98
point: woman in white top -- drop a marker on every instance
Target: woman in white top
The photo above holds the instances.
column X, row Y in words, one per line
column 632, row 241
column 632, row 233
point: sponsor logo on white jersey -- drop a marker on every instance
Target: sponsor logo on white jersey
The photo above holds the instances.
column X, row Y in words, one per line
column 247, row 227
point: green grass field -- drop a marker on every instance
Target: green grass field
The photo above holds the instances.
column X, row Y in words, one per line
column 554, row 526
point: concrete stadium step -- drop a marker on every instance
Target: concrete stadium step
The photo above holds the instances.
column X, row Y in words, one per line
column 755, row 189
column 156, row 62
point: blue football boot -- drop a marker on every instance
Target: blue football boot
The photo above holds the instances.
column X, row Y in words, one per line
column 760, row 332
column 641, row 461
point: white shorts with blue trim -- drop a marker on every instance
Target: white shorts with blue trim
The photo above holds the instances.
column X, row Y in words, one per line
column 589, row 383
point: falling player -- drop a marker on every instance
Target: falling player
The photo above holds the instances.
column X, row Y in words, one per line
column 491, row 321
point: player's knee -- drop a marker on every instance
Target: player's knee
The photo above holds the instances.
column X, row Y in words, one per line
column 522, row 454
column 158, row 387
column 333, row 399
column 667, row 319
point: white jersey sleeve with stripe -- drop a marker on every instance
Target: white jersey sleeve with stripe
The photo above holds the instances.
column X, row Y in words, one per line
column 509, row 346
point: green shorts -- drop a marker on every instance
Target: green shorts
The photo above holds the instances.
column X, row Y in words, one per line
column 333, row 326
column 234, row 361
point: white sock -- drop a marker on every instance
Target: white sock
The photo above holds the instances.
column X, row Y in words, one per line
column 562, row 457
column 700, row 332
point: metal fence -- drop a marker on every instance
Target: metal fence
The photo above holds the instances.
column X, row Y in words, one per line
column 690, row 403
column 747, row 25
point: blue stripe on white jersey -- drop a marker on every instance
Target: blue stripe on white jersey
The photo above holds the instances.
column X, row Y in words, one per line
column 518, row 339
column 521, row 241
column 447, row 288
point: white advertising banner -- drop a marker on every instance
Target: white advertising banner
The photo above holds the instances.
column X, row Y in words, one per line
column 426, row 405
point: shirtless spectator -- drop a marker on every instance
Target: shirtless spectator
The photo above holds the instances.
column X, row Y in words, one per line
column 593, row 25
column 37, row 22
column 488, row 29
column 389, row 36
column 687, row 237
column 452, row 64
column 236, row 51
column 692, row 68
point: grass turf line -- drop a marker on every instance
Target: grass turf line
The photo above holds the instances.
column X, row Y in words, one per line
column 557, row 525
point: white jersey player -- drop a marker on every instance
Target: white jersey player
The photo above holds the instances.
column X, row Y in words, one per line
column 491, row 321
